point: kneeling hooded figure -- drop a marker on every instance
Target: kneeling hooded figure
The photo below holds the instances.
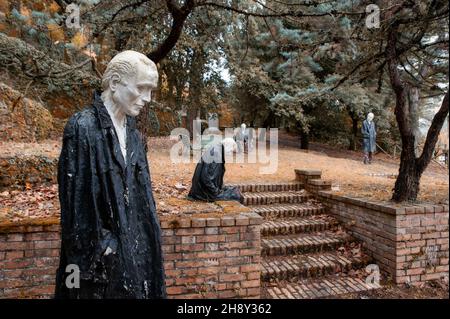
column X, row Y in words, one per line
column 207, row 182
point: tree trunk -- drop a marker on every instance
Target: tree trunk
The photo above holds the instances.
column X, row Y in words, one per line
column 411, row 167
column 304, row 140
column 354, row 137
column 407, row 184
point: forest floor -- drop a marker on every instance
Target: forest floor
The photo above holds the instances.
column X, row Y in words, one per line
column 344, row 168
column 171, row 181
column 430, row 290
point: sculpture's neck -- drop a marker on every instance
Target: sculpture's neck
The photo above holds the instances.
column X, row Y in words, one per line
column 118, row 117
column 115, row 111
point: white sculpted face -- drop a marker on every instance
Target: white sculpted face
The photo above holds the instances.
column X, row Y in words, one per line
column 132, row 94
column 130, row 79
column 370, row 117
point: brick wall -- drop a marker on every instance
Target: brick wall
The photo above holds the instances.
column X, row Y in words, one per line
column 410, row 243
column 422, row 243
column 208, row 255
column 29, row 255
column 213, row 257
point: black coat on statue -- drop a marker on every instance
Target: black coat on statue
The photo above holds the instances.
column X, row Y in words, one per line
column 207, row 182
column 109, row 225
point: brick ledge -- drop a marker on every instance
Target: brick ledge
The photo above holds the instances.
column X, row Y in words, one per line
column 389, row 208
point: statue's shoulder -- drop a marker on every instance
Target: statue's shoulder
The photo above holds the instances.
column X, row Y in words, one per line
column 81, row 122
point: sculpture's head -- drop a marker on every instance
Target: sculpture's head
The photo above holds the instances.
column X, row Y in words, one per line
column 129, row 80
column 370, row 117
column 243, row 126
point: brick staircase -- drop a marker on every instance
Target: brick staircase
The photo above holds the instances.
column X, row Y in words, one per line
column 305, row 252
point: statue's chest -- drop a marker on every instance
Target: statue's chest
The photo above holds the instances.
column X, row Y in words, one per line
column 112, row 158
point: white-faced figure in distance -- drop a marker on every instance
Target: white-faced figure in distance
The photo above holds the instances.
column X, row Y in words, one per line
column 369, row 134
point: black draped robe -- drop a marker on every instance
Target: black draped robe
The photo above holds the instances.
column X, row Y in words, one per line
column 207, row 182
column 109, row 224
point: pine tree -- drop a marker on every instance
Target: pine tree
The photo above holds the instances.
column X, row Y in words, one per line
column 289, row 68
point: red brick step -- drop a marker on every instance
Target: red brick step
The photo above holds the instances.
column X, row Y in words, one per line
column 266, row 198
column 308, row 266
column 288, row 210
column 297, row 225
column 295, row 244
column 324, row 287
column 305, row 254
column 268, row 187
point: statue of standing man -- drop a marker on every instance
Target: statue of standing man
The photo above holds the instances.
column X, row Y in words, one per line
column 241, row 138
column 110, row 231
column 369, row 134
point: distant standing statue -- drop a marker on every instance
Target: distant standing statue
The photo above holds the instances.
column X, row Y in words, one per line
column 241, row 138
column 109, row 226
column 369, row 134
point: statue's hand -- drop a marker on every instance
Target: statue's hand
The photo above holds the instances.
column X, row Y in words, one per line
column 108, row 251
column 109, row 243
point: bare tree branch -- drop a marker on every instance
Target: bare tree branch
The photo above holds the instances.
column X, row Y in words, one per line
column 179, row 16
